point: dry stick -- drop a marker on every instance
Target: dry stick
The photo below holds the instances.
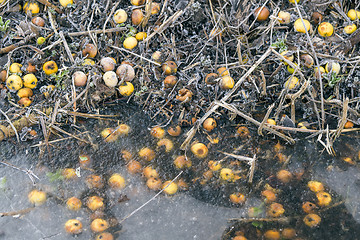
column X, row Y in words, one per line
column 250, row 161
column 351, row 72
column 73, row 96
column 88, row 115
column 265, row 119
column 58, row 140
column 88, row 28
column 212, row 12
column 167, row 23
column 147, row 202
column 292, row 106
column 11, row 47
column 252, row 169
column 296, row 95
column 316, row 132
column 52, row 45
column 238, row 50
column 110, row 30
column 147, row 16
column 49, row 4
column 67, row 49
column 192, row 131
column 315, row 107
column 280, row 220
column 28, row 172
column 321, row 55
column 69, row 134
column 20, row 44
column 14, row 213
column 124, row 50
column 257, row 15
column 317, row 65
column 296, row 67
column 339, row 103
column 111, row 13
column 332, row 206
column 52, row 22
column 337, row 7
column 205, row 44
column 328, row 145
column 77, row 98
column 277, row 70
column 246, row 117
column 5, row 3
column 163, row 8
column 12, row 126
column 281, row 103
column 56, row 108
column 274, row 19
column 263, row 83
column 45, row 133
column 282, row 96
column 342, row 120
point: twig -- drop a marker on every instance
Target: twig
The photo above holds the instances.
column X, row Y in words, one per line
column 270, row 129
column 55, row 112
column 315, row 107
column 147, row 202
column 146, row 59
column 110, row 30
column 250, row 161
column 265, row 119
column 167, row 23
column 148, row 6
column 73, row 96
column 317, row 65
column 15, row 213
column 342, row 120
column 88, row 115
column 328, row 144
column 28, row 172
column 12, row 126
column 46, row 135
column 88, row 28
column 288, row 62
column 78, row 97
column 111, row 13
column 69, row 134
column 296, row 95
column 19, row 45
column 280, row 220
column 66, row 47
column 52, row 22
column 58, row 140
column 191, row 133
column 49, row 4
column 263, row 83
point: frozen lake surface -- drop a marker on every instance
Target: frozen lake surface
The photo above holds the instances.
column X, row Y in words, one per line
column 176, row 217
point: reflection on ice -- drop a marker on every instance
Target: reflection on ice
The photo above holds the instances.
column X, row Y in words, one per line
column 346, row 184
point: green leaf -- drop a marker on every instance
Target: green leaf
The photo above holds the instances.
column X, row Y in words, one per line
column 258, row 224
column 3, row 183
column 4, row 26
column 257, row 211
column 281, row 44
column 56, row 176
